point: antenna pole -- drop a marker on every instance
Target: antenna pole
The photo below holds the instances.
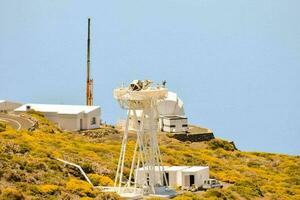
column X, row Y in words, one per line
column 89, row 81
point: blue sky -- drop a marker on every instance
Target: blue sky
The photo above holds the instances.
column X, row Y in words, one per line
column 235, row 64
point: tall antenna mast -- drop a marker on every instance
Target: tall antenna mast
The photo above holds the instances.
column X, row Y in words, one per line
column 89, row 81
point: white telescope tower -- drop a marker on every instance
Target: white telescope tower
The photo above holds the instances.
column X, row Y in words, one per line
column 140, row 96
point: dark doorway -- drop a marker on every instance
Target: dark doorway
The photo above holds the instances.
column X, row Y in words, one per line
column 166, row 180
column 81, row 124
column 192, row 180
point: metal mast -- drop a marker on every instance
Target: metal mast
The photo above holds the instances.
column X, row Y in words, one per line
column 89, row 81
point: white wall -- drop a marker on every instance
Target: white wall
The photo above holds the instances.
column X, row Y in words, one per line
column 53, row 117
column 167, row 123
column 88, row 119
column 200, row 176
column 68, row 122
column 173, row 179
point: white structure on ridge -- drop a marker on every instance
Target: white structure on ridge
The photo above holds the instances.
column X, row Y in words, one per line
column 140, row 96
column 8, row 106
column 173, row 123
column 179, row 176
column 171, row 115
column 172, row 105
column 67, row 117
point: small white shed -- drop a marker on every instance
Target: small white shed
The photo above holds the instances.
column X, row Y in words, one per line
column 67, row 117
column 8, row 106
column 194, row 176
column 177, row 176
column 174, row 175
column 173, row 123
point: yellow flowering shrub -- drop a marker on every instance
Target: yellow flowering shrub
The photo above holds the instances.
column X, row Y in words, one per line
column 99, row 180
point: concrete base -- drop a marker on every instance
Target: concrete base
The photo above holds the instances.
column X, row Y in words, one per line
column 132, row 196
column 137, row 193
column 164, row 192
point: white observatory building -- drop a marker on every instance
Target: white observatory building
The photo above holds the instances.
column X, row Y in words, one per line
column 171, row 115
column 67, row 117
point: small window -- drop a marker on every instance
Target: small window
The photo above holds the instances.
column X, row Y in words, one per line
column 93, row 122
column 184, row 125
column 172, row 126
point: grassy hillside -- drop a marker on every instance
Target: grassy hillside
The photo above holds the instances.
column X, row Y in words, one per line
column 28, row 169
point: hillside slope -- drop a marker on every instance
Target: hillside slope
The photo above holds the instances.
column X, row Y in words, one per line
column 29, row 170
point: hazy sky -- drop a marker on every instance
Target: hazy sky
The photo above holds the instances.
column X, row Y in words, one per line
column 235, row 64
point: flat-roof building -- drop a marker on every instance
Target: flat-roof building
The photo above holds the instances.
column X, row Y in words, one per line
column 67, row 117
column 178, row 176
column 173, row 123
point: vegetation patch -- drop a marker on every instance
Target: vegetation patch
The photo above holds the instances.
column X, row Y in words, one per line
column 81, row 188
column 29, row 170
column 2, row 126
column 101, row 132
column 247, row 189
column 11, row 194
column 223, row 144
column 99, row 180
column 47, row 189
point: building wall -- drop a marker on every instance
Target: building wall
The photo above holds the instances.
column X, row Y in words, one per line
column 200, row 176
column 186, row 179
column 71, row 122
column 53, row 117
column 67, row 122
column 179, row 178
column 174, row 125
column 204, row 175
column 173, row 179
column 89, row 117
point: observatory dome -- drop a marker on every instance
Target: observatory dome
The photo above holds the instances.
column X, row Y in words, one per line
column 172, row 105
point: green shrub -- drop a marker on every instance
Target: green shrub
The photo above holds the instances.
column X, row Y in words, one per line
column 99, row 180
column 47, row 189
column 81, row 188
column 108, row 196
column 33, row 112
column 218, row 143
column 187, row 196
column 2, row 126
column 247, row 189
